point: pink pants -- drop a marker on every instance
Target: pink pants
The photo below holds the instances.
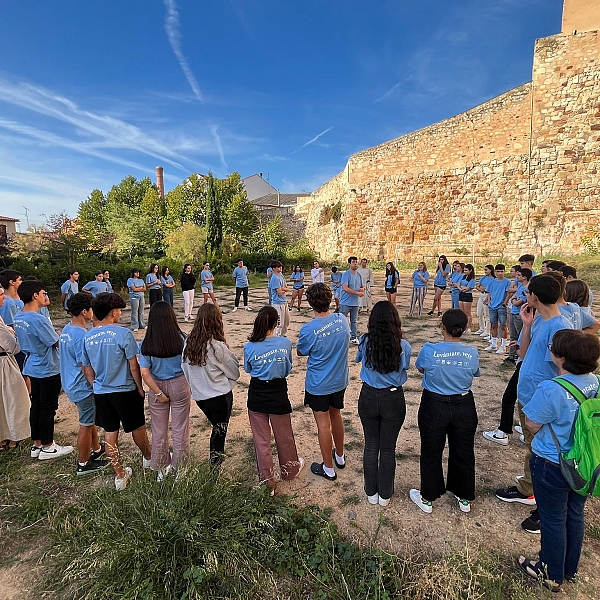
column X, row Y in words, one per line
column 284, row 440
column 180, row 396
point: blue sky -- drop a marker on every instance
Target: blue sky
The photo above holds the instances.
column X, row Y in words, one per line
column 91, row 92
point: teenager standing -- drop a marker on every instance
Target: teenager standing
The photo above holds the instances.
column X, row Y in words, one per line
column 439, row 284
column 154, row 284
column 277, row 292
column 352, row 292
column 136, row 287
column 187, row 282
column 240, row 275
column 206, row 282
column 297, row 278
column 168, row 284
column 392, row 279
column 420, row 279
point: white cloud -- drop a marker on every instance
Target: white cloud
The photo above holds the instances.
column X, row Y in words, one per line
column 172, row 28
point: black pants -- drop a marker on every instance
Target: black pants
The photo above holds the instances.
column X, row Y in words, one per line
column 454, row 417
column 155, row 296
column 509, row 399
column 44, row 404
column 238, row 292
column 382, row 414
column 218, row 412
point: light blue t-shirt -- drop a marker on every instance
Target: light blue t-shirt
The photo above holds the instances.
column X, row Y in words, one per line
column 384, row 380
column 135, row 282
column 166, row 280
column 578, row 318
column 325, row 341
column 354, row 282
column 497, row 289
column 108, row 350
column 161, row 368
column 391, row 280
column 449, row 367
column 76, row 386
column 203, row 276
column 10, row 308
column 336, row 281
column 440, row 276
column 96, row 287
column 269, row 359
column 152, row 281
column 298, row 279
column 485, row 281
column 551, row 403
column 241, row 277
column 537, row 363
column 417, row 281
column 520, row 294
column 109, row 286
column 37, row 339
column 455, row 278
column 70, row 288
column 470, row 283
column 276, row 282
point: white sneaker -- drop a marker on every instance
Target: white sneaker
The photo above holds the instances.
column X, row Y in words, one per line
column 522, row 438
column 374, row 499
column 491, row 347
column 519, row 477
column 121, row 483
column 234, row 309
column 163, row 473
column 496, row 436
column 415, row 496
column 501, row 350
column 35, row 451
column 146, row 462
column 464, row 505
column 355, row 341
column 479, row 332
column 54, row 451
column 384, row 501
column 487, row 337
column 518, row 429
column 248, row 308
column 466, row 331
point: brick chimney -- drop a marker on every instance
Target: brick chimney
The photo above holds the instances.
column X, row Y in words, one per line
column 160, row 182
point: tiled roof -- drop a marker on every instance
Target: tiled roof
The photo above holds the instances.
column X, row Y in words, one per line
column 8, row 219
column 278, row 199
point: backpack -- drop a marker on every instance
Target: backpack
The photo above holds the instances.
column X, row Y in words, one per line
column 581, row 465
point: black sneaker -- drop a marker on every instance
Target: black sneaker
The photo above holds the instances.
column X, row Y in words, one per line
column 512, row 494
column 91, row 466
column 317, row 469
column 532, row 523
column 99, row 453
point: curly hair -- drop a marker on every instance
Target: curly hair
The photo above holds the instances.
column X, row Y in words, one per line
column 208, row 326
column 383, row 342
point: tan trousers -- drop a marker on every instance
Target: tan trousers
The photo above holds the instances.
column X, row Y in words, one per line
column 525, row 486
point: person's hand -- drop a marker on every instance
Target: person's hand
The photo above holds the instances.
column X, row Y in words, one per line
column 164, row 398
column 527, row 315
column 141, row 392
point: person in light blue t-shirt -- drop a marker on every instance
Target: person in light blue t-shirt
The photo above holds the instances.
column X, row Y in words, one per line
column 352, row 291
column 154, row 284
column 385, row 358
column 420, row 279
column 106, row 277
column 69, row 287
column 497, row 301
column 206, row 284
column 168, row 285
column 440, row 281
column 40, row 342
column 297, row 278
column 97, row 286
column 325, row 341
column 466, row 285
column 336, row 286
column 455, row 278
column 169, row 393
column 110, row 364
column 552, row 409
column 77, row 388
column 136, row 287
column 447, row 410
column 277, row 292
column 268, row 359
column 240, row 274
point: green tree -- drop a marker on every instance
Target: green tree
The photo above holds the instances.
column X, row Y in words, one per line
column 270, row 238
column 187, row 244
column 214, row 224
column 240, row 218
column 91, row 217
column 186, row 202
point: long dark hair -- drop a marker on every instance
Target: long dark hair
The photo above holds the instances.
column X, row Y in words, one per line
column 383, row 346
column 265, row 321
column 492, row 272
column 390, row 271
column 577, row 291
column 471, row 271
column 164, row 338
column 164, row 270
column 152, row 267
column 185, row 267
column 445, row 263
column 208, row 326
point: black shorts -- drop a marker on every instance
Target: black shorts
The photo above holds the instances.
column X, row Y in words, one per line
column 465, row 297
column 439, row 287
column 118, row 408
column 324, row 403
column 391, row 290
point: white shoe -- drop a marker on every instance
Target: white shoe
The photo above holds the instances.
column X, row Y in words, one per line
column 522, row 438
column 479, row 332
column 384, row 501
column 501, row 350
column 163, row 473
column 415, row 496
column 186, row 319
column 121, row 483
column 35, row 451
column 234, row 309
column 136, row 329
column 355, row 341
column 487, row 337
column 518, row 429
column 464, row 505
column 467, row 331
column 496, row 436
column 519, row 477
column 146, row 462
column 374, row 499
column 491, row 347
column 54, row 451
column 248, row 308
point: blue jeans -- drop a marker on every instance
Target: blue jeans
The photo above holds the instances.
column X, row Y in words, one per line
column 561, row 519
column 454, row 295
column 353, row 312
column 167, row 296
column 498, row 315
column 137, row 312
column 382, row 414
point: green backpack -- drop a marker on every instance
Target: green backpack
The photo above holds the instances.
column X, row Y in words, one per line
column 581, row 465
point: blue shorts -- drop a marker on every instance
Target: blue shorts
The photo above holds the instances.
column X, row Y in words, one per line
column 498, row 315
column 87, row 411
column 337, row 293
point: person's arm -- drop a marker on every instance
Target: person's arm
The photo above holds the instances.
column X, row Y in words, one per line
column 527, row 316
column 159, row 395
column 533, row 427
column 89, row 374
column 136, row 374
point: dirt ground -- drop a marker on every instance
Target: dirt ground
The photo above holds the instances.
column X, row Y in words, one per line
column 401, row 527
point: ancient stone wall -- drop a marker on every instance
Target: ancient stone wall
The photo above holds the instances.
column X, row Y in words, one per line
column 517, row 173
column 581, row 15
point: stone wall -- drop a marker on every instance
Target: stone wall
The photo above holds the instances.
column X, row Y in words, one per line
column 581, row 15
column 515, row 174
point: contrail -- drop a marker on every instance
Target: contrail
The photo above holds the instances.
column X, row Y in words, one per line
column 174, row 35
column 314, row 139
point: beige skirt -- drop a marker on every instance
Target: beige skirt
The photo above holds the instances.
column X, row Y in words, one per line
column 14, row 401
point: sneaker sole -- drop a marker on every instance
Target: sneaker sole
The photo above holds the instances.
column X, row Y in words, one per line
column 90, row 472
column 526, row 501
column 536, row 531
column 47, row 456
column 499, row 441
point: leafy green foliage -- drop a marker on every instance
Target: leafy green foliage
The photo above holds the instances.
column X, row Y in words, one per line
column 187, row 244
column 214, row 223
